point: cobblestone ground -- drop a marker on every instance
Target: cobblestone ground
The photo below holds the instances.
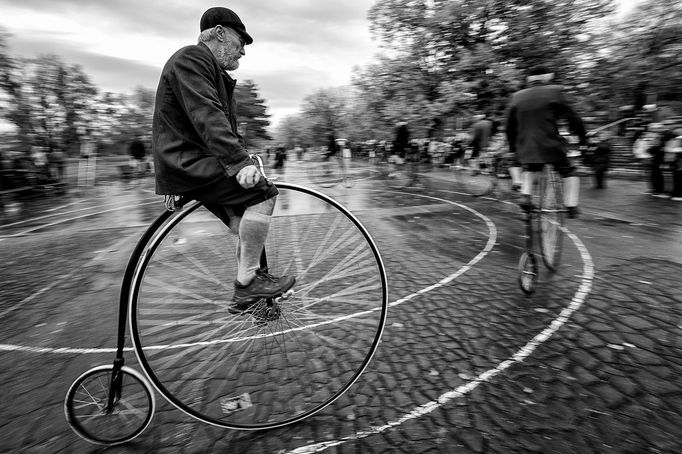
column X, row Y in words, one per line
column 606, row 381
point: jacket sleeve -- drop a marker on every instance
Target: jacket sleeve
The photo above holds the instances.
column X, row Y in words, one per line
column 195, row 84
column 575, row 124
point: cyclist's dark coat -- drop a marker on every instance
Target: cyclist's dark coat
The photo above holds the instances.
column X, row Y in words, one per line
column 481, row 132
column 194, row 133
column 532, row 119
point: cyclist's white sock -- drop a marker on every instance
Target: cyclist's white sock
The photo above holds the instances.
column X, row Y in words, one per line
column 516, row 175
column 253, row 231
column 527, row 184
column 571, row 191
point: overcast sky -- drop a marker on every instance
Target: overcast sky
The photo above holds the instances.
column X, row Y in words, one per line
column 299, row 45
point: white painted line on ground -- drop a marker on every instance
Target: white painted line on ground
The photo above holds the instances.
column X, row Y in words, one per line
column 523, row 353
column 74, row 218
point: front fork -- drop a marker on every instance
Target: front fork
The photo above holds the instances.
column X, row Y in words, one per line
column 116, row 385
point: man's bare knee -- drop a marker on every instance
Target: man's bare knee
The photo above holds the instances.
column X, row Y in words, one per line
column 266, row 207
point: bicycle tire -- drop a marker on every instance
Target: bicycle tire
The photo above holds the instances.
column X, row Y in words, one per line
column 551, row 218
column 528, row 272
column 397, row 176
column 325, row 173
column 265, row 369
column 502, row 179
column 473, row 181
column 87, row 398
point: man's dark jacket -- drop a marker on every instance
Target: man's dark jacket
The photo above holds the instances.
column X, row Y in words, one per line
column 194, row 133
column 532, row 124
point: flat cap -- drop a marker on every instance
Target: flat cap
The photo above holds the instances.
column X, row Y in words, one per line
column 224, row 16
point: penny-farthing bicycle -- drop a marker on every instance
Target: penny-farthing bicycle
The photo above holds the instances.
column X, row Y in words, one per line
column 544, row 219
column 283, row 361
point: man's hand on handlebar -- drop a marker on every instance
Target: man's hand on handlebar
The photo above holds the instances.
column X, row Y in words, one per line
column 249, row 176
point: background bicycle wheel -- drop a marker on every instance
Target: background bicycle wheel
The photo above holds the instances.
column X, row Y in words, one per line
column 473, row 180
column 325, row 173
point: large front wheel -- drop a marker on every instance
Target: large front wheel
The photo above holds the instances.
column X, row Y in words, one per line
column 528, row 272
column 284, row 360
column 551, row 218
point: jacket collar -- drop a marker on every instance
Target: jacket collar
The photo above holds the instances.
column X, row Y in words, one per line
column 224, row 73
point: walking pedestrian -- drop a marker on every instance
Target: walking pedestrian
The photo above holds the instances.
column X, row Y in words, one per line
column 599, row 157
column 660, row 137
column 673, row 148
column 481, row 133
column 401, row 144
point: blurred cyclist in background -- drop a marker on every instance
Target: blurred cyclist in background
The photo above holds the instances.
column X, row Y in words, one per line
column 533, row 134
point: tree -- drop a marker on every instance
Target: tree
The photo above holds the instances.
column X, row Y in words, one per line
column 7, row 66
column 252, row 112
column 324, row 111
column 294, row 129
column 638, row 57
column 469, row 55
column 49, row 100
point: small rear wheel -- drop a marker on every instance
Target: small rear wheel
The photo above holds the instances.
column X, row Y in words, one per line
column 503, row 180
column 528, row 272
column 88, row 411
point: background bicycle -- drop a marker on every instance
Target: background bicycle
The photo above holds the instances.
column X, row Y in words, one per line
column 402, row 172
column 486, row 174
column 327, row 171
column 544, row 219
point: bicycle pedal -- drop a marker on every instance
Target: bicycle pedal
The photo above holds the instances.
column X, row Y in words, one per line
column 286, row 295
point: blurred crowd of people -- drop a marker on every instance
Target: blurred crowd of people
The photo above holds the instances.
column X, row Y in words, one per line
column 37, row 167
column 659, row 148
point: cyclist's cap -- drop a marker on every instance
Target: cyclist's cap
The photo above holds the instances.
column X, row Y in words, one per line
column 540, row 73
column 224, row 16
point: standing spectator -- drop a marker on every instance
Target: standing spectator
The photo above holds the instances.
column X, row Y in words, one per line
column 401, row 144
column 660, row 137
column 88, row 157
column 332, row 147
column 673, row 147
column 280, row 157
column 481, row 132
column 599, row 159
column 138, row 155
column 298, row 151
column 640, row 150
column 57, row 164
